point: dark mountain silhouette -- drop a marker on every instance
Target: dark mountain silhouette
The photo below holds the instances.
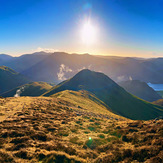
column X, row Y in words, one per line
column 140, row 89
column 10, row 79
column 114, row 96
column 30, row 89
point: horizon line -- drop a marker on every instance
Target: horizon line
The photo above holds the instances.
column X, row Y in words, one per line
column 77, row 53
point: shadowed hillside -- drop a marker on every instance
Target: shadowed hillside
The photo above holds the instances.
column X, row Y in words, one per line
column 114, row 96
column 10, row 79
column 160, row 93
column 140, row 89
column 30, row 89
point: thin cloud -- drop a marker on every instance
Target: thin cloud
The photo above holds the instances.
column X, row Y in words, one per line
column 48, row 50
column 63, row 69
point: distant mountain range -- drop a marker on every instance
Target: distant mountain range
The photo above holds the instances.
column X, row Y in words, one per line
column 10, row 79
column 140, row 89
column 58, row 66
column 114, row 96
column 23, row 62
column 30, row 89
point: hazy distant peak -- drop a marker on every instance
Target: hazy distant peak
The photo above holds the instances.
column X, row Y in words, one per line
column 140, row 89
column 5, row 57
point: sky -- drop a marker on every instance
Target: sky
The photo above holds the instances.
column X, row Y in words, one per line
column 118, row 27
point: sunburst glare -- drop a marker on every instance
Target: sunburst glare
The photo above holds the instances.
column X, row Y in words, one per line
column 89, row 33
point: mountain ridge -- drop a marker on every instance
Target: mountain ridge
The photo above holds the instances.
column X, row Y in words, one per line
column 29, row 89
column 114, row 96
column 46, row 67
column 10, row 79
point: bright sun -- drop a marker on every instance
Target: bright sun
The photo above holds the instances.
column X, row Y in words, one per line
column 89, row 33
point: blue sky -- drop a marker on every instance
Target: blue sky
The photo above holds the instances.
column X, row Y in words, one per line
column 125, row 27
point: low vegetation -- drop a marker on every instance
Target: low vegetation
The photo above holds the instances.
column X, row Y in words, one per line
column 54, row 129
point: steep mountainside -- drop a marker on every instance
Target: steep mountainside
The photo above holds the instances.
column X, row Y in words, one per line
column 30, row 89
column 140, row 89
column 10, row 79
column 114, row 96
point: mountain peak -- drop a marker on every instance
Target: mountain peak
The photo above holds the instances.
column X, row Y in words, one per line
column 105, row 89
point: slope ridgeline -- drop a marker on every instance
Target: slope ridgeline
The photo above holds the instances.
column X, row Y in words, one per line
column 114, row 96
column 10, row 79
column 30, row 89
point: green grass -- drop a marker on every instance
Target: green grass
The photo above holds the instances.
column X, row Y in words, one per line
column 81, row 99
column 106, row 92
column 30, row 89
column 38, row 134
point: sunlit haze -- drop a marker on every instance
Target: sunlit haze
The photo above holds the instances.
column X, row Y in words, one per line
column 114, row 27
column 88, row 33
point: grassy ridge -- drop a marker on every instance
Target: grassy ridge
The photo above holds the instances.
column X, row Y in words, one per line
column 30, row 89
column 114, row 96
column 86, row 100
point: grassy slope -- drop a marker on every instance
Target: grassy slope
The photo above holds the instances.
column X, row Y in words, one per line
column 86, row 100
column 158, row 102
column 10, row 79
column 30, row 89
column 115, row 97
column 48, row 129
